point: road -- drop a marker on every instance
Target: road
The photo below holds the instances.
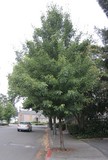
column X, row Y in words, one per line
column 31, row 145
column 100, row 144
column 22, row 145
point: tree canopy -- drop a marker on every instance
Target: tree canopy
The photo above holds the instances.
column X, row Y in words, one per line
column 56, row 70
column 7, row 109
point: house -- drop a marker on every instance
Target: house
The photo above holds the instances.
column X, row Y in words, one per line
column 31, row 116
column 26, row 115
column 40, row 117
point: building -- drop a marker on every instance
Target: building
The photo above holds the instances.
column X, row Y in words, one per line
column 31, row 116
column 26, row 115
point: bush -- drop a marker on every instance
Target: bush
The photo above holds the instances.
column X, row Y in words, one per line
column 97, row 126
column 73, row 129
column 93, row 128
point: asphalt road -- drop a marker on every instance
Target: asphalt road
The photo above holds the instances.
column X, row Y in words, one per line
column 100, row 144
column 21, row 145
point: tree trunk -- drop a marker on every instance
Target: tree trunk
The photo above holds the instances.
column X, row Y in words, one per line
column 80, row 120
column 50, row 123
column 61, row 135
column 54, row 127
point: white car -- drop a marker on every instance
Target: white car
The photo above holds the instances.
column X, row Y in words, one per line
column 24, row 126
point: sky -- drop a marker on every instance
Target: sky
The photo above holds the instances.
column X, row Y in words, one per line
column 19, row 17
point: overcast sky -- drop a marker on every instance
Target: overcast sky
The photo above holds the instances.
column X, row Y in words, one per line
column 17, row 18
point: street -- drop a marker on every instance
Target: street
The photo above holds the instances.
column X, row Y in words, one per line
column 21, row 145
column 32, row 145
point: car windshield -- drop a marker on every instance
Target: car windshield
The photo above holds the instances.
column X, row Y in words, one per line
column 24, row 122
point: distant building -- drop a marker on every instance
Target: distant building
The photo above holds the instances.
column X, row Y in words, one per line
column 40, row 117
column 31, row 116
column 28, row 116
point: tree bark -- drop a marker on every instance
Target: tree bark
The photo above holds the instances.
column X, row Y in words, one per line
column 61, row 135
column 50, row 123
column 80, row 120
column 54, row 127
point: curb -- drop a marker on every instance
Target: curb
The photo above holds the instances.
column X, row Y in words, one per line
column 48, row 155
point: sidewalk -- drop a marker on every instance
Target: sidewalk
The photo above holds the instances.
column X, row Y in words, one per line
column 77, row 149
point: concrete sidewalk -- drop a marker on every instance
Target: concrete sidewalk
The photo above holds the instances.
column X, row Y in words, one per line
column 77, row 149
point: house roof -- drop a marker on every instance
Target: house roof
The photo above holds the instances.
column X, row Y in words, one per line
column 28, row 112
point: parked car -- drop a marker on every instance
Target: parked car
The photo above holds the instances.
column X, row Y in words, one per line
column 3, row 122
column 24, row 126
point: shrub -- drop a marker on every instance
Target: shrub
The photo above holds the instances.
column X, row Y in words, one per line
column 93, row 128
column 73, row 129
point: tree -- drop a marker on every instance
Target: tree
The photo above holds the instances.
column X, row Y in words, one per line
column 3, row 101
column 57, row 70
column 1, row 111
column 9, row 111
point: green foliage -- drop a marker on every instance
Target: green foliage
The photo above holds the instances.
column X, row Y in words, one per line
column 93, row 128
column 9, row 111
column 3, row 102
column 1, row 111
column 57, row 71
column 73, row 129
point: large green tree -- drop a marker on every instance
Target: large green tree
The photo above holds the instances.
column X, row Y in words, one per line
column 1, row 112
column 3, row 101
column 56, row 71
column 9, row 111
